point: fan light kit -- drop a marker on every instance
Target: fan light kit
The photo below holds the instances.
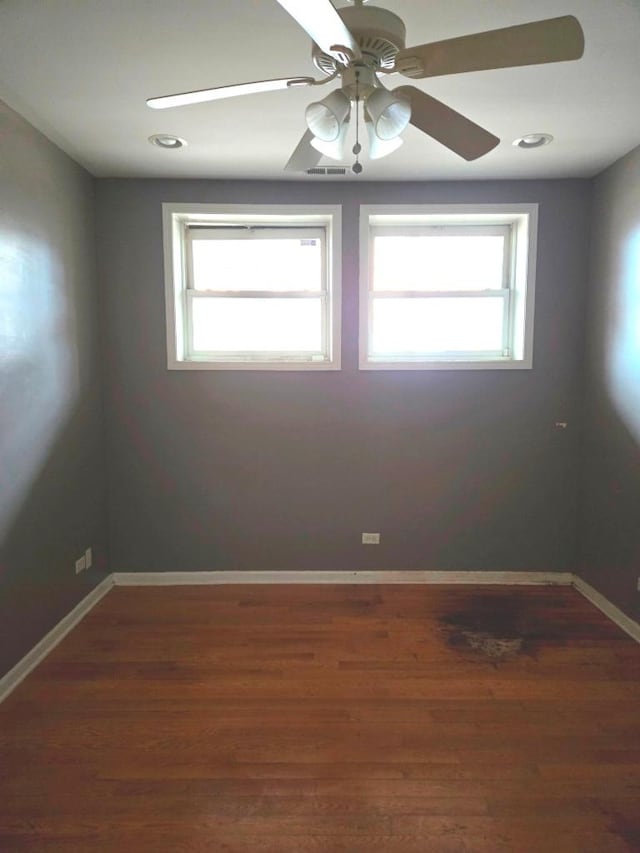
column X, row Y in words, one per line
column 358, row 45
column 533, row 140
column 166, row 140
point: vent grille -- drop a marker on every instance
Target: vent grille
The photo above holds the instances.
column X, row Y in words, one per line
column 376, row 47
column 383, row 51
column 328, row 170
column 325, row 63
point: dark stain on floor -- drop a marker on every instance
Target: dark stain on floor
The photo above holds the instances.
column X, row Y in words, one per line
column 628, row 831
column 497, row 628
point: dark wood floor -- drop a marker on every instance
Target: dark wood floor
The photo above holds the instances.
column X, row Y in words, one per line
column 338, row 719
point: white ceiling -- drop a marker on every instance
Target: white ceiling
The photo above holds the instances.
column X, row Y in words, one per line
column 81, row 70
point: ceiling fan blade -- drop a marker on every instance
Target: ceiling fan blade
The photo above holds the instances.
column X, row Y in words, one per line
column 445, row 125
column 304, row 155
column 551, row 40
column 219, row 92
column 322, row 23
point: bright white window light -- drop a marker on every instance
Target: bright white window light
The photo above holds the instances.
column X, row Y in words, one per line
column 442, row 261
column 422, row 268
column 446, row 286
column 444, row 325
column 237, row 326
column 252, row 287
column 265, row 260
column 256, row 291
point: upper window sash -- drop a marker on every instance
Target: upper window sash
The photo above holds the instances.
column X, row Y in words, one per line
column 253, row 233
column 415, row 231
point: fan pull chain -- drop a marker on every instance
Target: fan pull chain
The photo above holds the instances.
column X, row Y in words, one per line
column 357, row 148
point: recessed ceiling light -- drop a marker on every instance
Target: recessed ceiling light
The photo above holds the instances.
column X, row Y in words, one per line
column 166, row 140
column 533, row 140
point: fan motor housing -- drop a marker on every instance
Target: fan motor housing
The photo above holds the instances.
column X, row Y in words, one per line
column 379, row 33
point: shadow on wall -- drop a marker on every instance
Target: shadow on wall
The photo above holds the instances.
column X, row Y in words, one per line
column 610, row 542
column 59, row 514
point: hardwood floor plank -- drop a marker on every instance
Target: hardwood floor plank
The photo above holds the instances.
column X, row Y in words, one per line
column 327, row 719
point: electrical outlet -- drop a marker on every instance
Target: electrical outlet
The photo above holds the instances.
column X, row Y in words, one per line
column 370, row 538
column 81, row 564
column 88, row 558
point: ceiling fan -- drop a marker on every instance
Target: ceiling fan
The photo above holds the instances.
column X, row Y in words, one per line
column 358, row 45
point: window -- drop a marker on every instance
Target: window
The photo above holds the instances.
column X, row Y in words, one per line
column 446, row 287
column 252, row 288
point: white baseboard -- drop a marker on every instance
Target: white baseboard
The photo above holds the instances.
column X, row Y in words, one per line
column 11, row 680
column 38, row 653
column 603, row 604
column 332, row 577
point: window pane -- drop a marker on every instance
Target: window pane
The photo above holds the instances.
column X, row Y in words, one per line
column 256, row 325
column 438, row 262
column 257, row 264
column 440, row 324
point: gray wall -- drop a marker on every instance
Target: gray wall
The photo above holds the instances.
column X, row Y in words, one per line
column 250, row 470
column 51, row 471
column 610, row 553
column 223, row 470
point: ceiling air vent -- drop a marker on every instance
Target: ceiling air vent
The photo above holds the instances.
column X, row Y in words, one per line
column 328, row 170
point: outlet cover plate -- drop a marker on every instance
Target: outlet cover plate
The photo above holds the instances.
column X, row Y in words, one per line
column 370, row 538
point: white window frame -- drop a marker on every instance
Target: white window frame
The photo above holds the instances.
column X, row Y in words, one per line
column 178, row 229
column 518, row 290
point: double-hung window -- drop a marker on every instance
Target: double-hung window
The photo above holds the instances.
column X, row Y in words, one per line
column 447, row 287
column 252, row 287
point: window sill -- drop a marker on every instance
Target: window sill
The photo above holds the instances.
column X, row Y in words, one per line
column 449, row 364
column 254, row 365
